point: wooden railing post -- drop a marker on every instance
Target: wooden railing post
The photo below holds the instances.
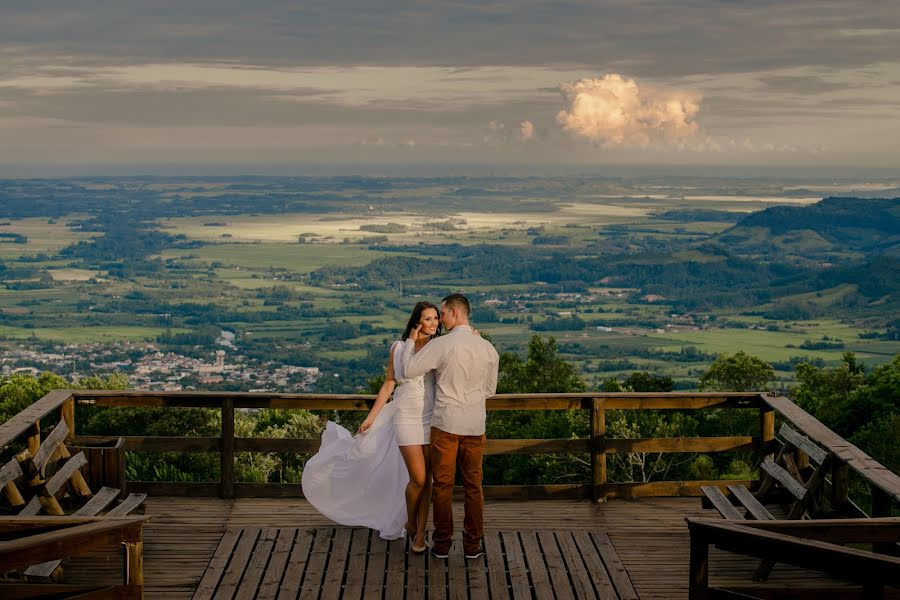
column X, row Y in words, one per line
column 840, row 484
column 767, row 431
column 598, row 449
column 133, row 540
column 698, row 571
column 34, row 438
column 226, row 452
column 881, row 507
column 67, row 414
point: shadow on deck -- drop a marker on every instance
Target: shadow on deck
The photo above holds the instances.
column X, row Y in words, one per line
column 535, row 549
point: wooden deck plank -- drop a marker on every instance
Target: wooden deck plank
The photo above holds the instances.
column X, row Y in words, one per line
column 515, row 565
column 257, row 566
column 496, row 569
column 582, row 586
column 271, row 581
column 240, row 558
column 376, row 569
column 415, row 576
column 332, row 586
column 595, row 567
column 359, row 552
column 437, row 578
column 457, row 586
column 315, row 565
column 537, row 570
column 396, row 570
column 296, row 566
column 556, row 568
column 478, row 584
column 615, row 568
column 217, row 565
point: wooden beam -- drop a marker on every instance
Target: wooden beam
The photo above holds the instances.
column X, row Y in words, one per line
column 157, row 443
column 721, row 502
column 71, row 541
column 749, row 501
column 26, row 420
column 680, row 444
column 783, row 477
column 50, row 445
column 665, row 488
column 598, row 448
column 227, row 452
column 28, row 591
column 835, row 531
column 558, row 446
column 803, row 443
column 857, row 565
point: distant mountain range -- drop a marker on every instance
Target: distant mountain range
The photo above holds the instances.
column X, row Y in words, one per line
column 835, row 228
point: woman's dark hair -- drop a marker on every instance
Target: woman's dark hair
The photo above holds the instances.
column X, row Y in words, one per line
column 416, row 316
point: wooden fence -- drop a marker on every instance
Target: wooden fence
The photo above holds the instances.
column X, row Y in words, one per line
column 884, row 484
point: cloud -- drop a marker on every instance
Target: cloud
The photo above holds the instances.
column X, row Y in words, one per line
column 498, row 133
column 614, row 112
column 526, row 130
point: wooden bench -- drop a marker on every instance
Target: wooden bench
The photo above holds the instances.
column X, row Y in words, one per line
column 26, row 540
column 782, row 478
column 46, row 493
column 816, row 545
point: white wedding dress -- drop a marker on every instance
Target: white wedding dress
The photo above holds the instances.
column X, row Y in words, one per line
column 360, row 481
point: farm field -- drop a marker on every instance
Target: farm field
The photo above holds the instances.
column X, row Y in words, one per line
column 604, row 267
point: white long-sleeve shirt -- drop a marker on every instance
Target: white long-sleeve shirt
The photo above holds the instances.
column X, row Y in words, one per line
column 466, row 366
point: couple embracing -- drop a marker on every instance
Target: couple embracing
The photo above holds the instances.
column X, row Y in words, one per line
column 406, row 453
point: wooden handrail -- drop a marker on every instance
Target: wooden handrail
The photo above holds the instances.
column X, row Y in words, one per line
column 24, row 421
column 619, row 400
column 877, row 475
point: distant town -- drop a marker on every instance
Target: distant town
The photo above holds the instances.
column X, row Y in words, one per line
column 150, row 369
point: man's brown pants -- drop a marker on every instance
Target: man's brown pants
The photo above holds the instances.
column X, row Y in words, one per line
column 446, row 450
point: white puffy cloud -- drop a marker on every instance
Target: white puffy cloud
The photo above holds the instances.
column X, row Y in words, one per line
column 613, row 111
column 526, row 130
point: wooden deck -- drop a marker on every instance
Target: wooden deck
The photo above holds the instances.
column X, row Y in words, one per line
column 649, row 536
column 281, row 563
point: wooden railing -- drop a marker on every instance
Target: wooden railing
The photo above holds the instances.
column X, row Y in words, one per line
column 885, row 485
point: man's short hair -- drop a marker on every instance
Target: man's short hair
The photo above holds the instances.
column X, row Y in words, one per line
column 458, row 301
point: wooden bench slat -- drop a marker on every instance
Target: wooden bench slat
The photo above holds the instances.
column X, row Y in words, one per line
column 753, row 506
column 102, row 499
column 127, row 505
column 44, row 571
column 803, row 443
column 50, row 444
column 721, row 502
column 783, row 477
column 59, row 479
column 10, row 472
column 32, row 508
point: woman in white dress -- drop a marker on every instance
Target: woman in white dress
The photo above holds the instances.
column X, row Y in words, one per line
column 382, row 478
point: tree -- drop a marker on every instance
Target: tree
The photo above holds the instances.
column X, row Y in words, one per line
column 826, row 392
column 739, row 372
column 543, row 371
column 645, row 466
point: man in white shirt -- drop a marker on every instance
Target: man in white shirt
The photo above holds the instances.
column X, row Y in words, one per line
column 466, row 367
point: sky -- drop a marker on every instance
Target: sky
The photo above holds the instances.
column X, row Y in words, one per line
column 407, row 87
